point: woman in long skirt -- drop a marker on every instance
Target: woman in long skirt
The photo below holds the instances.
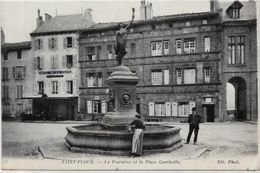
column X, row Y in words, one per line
column 137, row 141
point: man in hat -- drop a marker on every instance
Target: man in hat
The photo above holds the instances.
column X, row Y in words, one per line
column 137, row 141
column 194, row 121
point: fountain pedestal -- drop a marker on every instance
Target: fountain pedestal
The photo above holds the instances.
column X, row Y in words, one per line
column 111, row 136
column 122, row 88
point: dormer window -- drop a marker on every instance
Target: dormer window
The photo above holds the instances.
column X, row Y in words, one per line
column 233, row 10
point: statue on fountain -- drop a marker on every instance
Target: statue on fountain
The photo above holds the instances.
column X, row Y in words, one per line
column 121, row 36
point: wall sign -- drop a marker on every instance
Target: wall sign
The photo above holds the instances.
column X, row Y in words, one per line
column 55, row 72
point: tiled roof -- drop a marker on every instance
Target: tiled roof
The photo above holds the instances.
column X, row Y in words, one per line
column 63, row 23
column 17, row 46
column 154, row 19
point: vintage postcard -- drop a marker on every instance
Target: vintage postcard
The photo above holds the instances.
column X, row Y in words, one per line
column 129, row 85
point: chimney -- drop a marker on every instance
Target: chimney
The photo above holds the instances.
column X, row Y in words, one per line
column 47, row 17
column 149, row 11
column 214, row 6
column 88, row 14
column 146, row 10
column 39, row 20
column 142, row 10
column 2, row 37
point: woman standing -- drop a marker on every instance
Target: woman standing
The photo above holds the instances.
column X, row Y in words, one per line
column 137, row 141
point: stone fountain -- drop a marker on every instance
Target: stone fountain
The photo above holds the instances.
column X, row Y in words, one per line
column 111, row 136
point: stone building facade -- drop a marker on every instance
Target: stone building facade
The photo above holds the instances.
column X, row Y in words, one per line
column 181, row 60
column 17, row 78
column 176, row 57
column 55, row 65
column 239, row 57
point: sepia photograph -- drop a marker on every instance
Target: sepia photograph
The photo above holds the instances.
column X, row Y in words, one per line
column 129, row 85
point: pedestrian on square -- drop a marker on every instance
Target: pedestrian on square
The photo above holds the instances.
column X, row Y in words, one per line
column 137, row 140
column 194, row 121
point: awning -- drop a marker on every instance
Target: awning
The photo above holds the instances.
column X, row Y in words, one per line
column 49, row 98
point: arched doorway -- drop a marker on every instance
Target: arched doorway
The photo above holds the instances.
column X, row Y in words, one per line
column 236, row 97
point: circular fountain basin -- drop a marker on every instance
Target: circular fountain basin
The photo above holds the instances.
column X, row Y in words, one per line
column 94, row 138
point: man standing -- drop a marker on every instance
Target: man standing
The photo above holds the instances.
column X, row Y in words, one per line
column 194, row 121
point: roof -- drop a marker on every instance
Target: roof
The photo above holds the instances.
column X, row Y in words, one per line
column 164, row 18
column 16, row 46
column 64, row 23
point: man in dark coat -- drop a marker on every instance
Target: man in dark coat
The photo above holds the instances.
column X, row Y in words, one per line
column 194, row 121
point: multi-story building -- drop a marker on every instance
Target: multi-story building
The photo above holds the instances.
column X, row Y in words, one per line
column 17, row 78
column 55, row 63
column 182, row 61
column 239, row 57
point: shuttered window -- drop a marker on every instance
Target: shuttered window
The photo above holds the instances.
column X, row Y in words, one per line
column 189, row 76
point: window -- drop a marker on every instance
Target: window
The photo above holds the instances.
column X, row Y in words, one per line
column 166, row 47
column 207, row 44
column 133, row 49
column 6, row 108
column 94, row 80
column 19, row 90
column 236, row 50
column 38, row 44
column 5, row 73
column 38, row 63
column 68, row 42
column 166, row 77
column 5, row 92
column 160, row 109
column 96, row 106
column 179, row 76
column 70, row 87
column 204, row 22
column 54, row 85
column 157, row 77
column 52, row 42
column 207, row 75
column 156, row 48
column 19, row 72
column 110, row 52
column 189, row 45
column 40, row 87
column 99, row 52
column 91, row 54
column 189, row 76
column 241, row 49
column 54, row 62
column 233, row 11
column 178, row 46
column 5, row 55
column 183, row 109
column 231, row 49
column 19, row 54
column 68, row 61
column 187, row 23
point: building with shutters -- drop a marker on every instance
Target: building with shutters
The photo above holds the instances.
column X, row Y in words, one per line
column 182, row 61
column 55, row 65
column 17, row 78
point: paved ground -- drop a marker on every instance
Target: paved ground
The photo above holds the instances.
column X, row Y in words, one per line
column 21, row 140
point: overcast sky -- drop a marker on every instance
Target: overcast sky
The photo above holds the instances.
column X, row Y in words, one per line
column 18, row 19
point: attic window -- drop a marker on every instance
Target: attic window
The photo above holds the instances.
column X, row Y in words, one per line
column 233, row 10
